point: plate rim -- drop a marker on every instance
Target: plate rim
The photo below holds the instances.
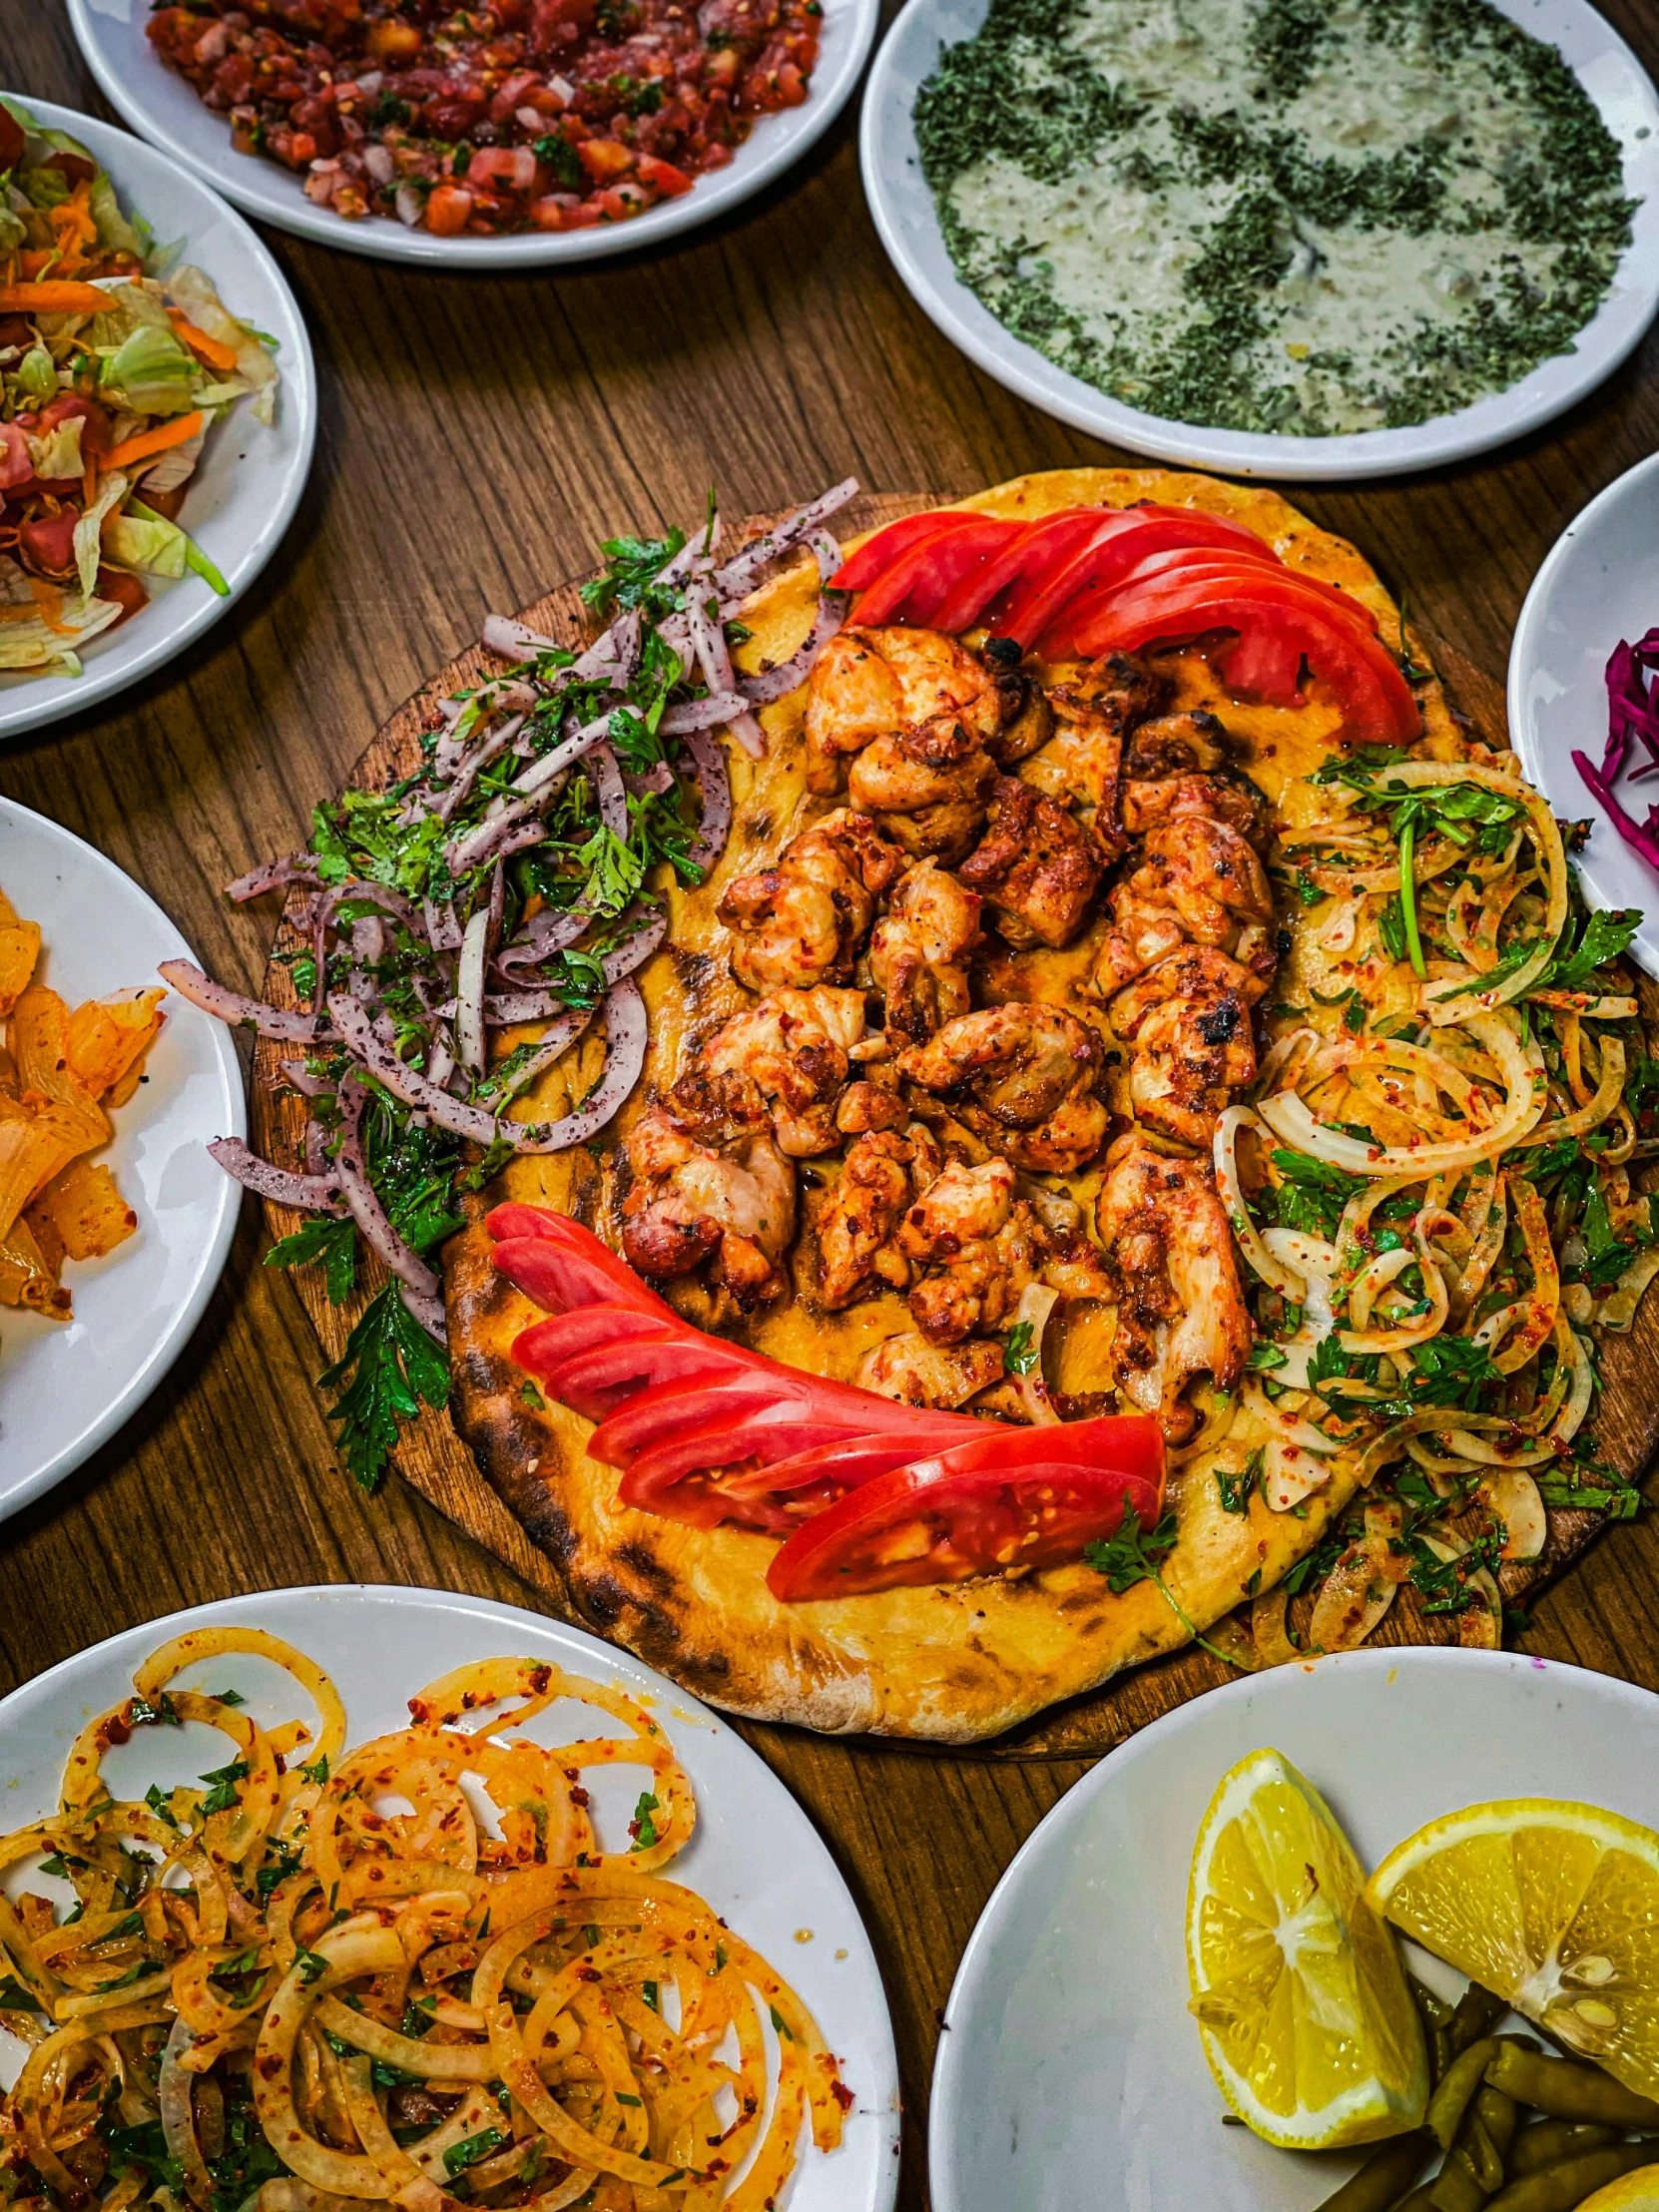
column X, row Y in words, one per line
column 216, row 1249
column 22, row 714
column 1351, row 457
column 385, row 240
column 946, row 2090
column 1524, row 656
column 880, row 2050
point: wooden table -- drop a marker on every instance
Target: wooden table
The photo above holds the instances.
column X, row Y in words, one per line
column 478, row 436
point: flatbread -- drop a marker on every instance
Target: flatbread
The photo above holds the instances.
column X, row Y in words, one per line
column 952, row 1664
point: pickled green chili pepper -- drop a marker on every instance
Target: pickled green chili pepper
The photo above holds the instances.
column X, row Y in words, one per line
column 1456, row 2091
column 1561, row 2188
column 1385, row 2173
column 1550, row 2142
column 1566, row 2090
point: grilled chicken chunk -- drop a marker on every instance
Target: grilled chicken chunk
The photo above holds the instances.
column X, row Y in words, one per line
column 892, row 682
column 860, row 1214
column 704, row 1188
column 1189, row 1021
column 919, row 949
column 1039, row 868
column 1028, row 1074
column 802, row 922
column 929, row 807
column 1182, row 1311
column 792, row 1053
column 939, row 1377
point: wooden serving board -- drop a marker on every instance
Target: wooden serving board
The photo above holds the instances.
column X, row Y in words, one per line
column 433, row 1459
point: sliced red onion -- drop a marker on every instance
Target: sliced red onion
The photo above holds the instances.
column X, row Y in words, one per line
column 429, row 1312
column 515, row 641
column 367, row 1211
column 540, row 938
column 443, row 931
column 627, row 1033
column 790, row 674
column 503, row 1009
column 440, row 1061
column 483, row 843
column 739, row 575
column 826, row 552
column 294, row 867
column 715, row 785
column 405, row 1082
column 609, row 791
column 615, row 654
column 560, row 1038
column 467, row 770
column 652, row 784
column 721, row 706
column 564, row 755
column 470, row 1046
column 368, row 940
column 236, row 1008
column 636, row 950
column 365, row 892
column 307, row 1194
column 300, row 1078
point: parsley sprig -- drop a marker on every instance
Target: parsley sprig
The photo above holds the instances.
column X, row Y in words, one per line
column 1132, row 1556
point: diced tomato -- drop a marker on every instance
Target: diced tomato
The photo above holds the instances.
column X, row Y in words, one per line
column 69, row 406
column 47, row 543
column 1376, row 700
column 502, row 168
column 1031, row 1498
column 662, row 177
column 618, row 202
column 919, row 583
column 16, row 468
column 74, row 169
column 876, row 554
column 1118, row 542
column 126, row 591
column 448, row 211
column 13, row 139
column 390, row 40
column 604, row 159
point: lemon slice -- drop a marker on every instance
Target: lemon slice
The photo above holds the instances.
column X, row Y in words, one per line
column 1298, row 1990
column 1636, row 2192
column 1555, row 1908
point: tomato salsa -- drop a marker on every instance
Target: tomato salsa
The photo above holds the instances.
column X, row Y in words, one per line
column 522, row 115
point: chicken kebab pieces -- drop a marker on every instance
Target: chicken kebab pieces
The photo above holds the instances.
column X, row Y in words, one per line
column 879, row 1121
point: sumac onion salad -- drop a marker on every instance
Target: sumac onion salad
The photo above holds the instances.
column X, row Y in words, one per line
column 526, row 115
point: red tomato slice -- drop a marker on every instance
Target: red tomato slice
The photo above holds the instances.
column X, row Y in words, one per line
column 1118, row 542
column 551, row 1348
column 558, row 1272
column 1376, row 700
column 1038, row 550
column 1217, row 564
column 919, row 583
column 1021, row 1497
column 860, row 569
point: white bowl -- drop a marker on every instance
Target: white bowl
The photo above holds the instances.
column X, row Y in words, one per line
column 1071, row 2073
column 1599, row 583
column 160, row 105
column 64, row 1391
column 244, row 493
column 909, row 224
column 755, row 1856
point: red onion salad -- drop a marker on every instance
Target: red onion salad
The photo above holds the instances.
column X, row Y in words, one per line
column 502, row 884
column 1633, row 714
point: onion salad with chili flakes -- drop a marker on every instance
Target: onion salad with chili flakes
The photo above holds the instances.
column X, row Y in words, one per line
column 114, row 363
column 503, row 884
column 523, row 115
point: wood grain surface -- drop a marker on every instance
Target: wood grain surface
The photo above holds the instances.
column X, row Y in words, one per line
column 433, row 1456
column 478, row 436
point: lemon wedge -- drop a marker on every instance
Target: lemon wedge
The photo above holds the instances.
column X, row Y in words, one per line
column 1553, row 1907
column 1637, row 2192
column 1298, row 1990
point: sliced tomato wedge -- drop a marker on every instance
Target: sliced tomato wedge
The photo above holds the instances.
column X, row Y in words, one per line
column 878, row 554
column 559, row 1273
column 1117, row 544
column 1015, row 1497
column 919, row 583
column 1377, row 703
column 1038, row 550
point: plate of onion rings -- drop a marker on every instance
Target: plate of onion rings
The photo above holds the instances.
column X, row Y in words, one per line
column 336, row 1897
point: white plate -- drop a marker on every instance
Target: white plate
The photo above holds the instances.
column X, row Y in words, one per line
column 157, row 103
column 248, row 484
column 1071, row 2073
column 755, row 1856
column 65, row 1391
column 909, row 223
column 1598, row 584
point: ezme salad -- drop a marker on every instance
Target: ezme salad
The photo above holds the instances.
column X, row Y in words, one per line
column 113, row 370
column 524, row 114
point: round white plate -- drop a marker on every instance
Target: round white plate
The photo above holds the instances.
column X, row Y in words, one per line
column 65, row 1390
column 755, row 1856
column 157, row 103
column 1071, row 2073
column 248, row 483
column 1599, row 584
column 909, row 223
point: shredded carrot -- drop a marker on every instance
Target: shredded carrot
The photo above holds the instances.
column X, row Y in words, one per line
column 89, row 485
column 36, row 258
column 49, row 606
column 158, row 440
column 207, row 349
column 63, row 298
